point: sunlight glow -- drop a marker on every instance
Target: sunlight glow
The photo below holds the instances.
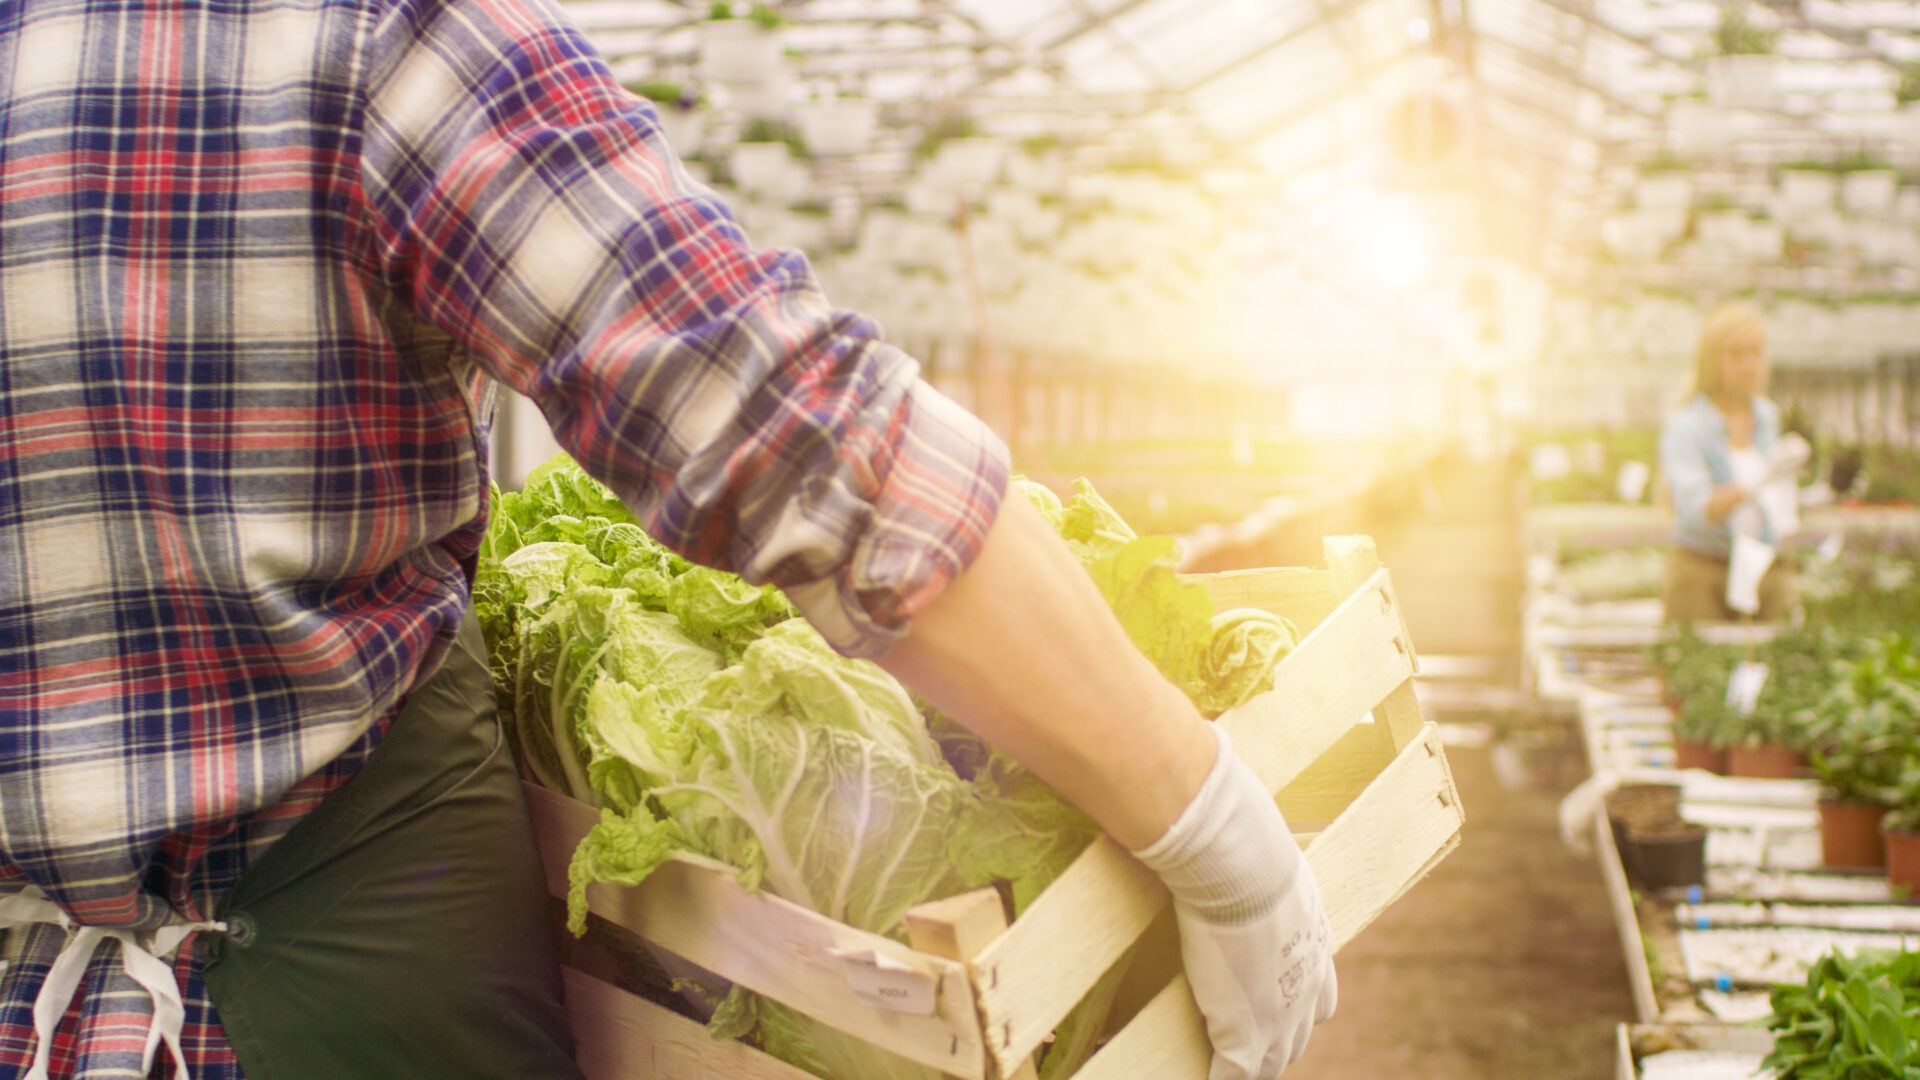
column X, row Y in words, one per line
column 1397, row 251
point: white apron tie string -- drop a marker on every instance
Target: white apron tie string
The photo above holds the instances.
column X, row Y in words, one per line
column 143, row 965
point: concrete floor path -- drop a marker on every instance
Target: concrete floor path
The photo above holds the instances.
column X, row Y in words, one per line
column 1504, row 963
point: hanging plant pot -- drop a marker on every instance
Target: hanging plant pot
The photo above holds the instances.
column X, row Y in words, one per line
column 1903, row 858
column 1767, row 761
column 1807, row 192
column 740, row 51
column 969, row 162
column 764, row 168
column 1907, row 124
column 1698, row 127
column 1869, row 192
column 1742, row 81
column 1850, row 834
column 1692, row 754
column 683, row 128
column 1664, row 191
column 762, row 98
column 837, row 126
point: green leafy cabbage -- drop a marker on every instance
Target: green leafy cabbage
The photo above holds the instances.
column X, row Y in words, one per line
column 700, row 717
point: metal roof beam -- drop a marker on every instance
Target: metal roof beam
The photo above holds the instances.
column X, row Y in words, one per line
column 1355, row 84
column 1094, row 21
column 1327, row 13
column 1585, row 12
column 1528, row 58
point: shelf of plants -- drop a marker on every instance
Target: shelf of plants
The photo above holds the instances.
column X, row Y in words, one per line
column 1721, row 842
column 655, row 826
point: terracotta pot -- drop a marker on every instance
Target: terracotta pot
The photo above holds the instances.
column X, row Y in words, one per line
column 1688, row 754
column 1903, row 859
column 1850, row 834
column 1768, row 761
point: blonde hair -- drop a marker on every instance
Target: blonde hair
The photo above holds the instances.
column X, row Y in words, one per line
column 1725, row 325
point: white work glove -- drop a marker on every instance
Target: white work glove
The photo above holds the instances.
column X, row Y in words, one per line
column 1253, row 936
column 1788, row 456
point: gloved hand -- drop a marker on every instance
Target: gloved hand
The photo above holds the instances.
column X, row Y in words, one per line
column 1255, row 941
column 1788, row 456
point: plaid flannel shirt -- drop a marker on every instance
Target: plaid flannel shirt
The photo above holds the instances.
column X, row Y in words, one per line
column 259, row 263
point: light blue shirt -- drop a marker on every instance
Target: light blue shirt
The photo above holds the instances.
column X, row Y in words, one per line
column 1695, row 457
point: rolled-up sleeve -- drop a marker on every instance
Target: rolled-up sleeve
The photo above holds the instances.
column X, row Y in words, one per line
column 1683, row 461
column 525, row 204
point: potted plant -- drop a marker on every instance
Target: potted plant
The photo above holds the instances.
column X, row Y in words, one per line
column 1657, row 848
column 1906, row 93
column 1698, row 126
column 1695, row 680
column 1907, row 90
column 1880, row 696
column 1857, row 1016
column 1807, row 188
column 1772, row 741
column 1863, row 741
column 1765, row 240
column 1664, row 184
column 1900, row 831
column 745, row 50
column 837, row 126
column 1742, row 76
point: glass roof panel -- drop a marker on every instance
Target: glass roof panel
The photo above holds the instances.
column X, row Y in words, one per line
column 1568, row 95
column 1298, row 75
column 1191, row 39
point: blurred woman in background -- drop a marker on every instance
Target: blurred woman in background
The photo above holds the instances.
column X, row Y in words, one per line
column 1718, row 451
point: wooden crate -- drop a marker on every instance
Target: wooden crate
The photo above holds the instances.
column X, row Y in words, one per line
column 1360, row 775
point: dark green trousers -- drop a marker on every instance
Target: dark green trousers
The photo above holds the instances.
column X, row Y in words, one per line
column 401, row 931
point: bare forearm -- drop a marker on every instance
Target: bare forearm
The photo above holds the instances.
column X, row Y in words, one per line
column 1024, row 652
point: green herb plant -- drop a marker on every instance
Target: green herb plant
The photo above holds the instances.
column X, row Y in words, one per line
column 1737, row 35
column 1856, row 1018
column 767, row 17
column 766, row 129
column 1907, row 90
column 1865, row 739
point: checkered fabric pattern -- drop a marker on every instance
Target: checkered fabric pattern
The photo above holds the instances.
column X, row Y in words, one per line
column 260, row 264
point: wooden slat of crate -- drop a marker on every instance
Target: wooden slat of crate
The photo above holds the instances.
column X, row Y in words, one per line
column 1356, row 659
column 695, row 909
column 1313, row 728
column 1302, row 595
column 1032, row 976
column 1405, row 821
column 619, row 1036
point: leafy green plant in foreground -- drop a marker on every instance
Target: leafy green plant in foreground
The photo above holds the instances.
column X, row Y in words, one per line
column 1857, row 1018
column 701, row 717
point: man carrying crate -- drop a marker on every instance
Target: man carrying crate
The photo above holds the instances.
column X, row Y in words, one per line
column 259, row 263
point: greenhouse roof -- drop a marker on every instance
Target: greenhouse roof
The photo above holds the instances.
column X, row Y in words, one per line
column 1542, row 111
